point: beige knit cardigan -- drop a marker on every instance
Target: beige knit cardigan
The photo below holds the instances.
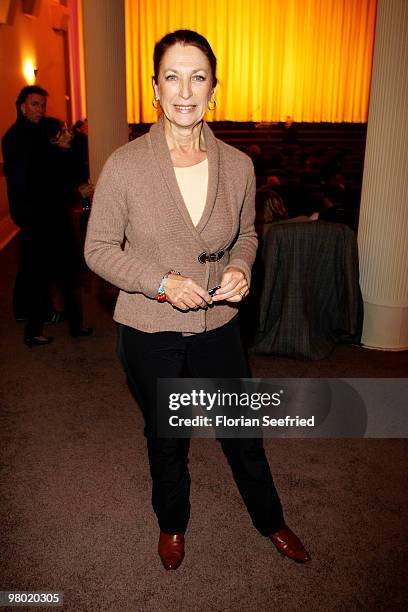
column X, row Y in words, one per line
column 140, row 228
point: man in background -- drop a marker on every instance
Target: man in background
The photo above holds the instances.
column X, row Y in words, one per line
column 24, row 152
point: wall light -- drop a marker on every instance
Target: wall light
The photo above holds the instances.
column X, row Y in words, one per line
column 30, row 71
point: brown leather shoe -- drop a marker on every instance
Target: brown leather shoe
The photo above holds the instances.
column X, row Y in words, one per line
column 289, row 545
column 171, row 549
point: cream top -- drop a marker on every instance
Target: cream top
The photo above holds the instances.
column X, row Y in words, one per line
column 193, row 182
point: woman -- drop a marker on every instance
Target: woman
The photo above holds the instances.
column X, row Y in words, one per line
column 64, row 250
column 184, row 203
column 269, row 207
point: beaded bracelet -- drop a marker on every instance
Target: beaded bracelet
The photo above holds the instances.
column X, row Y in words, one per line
column 161, row 294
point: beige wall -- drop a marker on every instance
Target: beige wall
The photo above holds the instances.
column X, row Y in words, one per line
column 23, row 37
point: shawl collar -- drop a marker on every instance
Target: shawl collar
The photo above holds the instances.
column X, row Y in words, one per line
column 162, row 156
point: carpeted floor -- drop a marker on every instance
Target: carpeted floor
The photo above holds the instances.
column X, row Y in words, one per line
column 75, row 493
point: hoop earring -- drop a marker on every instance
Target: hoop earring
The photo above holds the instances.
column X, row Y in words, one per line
column 212, row 101
column 156, row 103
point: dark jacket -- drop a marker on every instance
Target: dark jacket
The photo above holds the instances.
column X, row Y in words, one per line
column 39, row 176
column 311, row 297
column 24, row 149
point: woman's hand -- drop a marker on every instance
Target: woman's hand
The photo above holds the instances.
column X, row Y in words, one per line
column 183, row 293
column 234, row 286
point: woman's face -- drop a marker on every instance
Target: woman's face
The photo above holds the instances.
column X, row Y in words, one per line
column 184, row 85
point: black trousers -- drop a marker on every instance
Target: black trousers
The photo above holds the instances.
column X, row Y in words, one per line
column 214, row 354
column 23, row 286
column 48, row 254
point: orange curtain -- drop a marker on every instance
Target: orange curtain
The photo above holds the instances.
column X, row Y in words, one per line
column 310, row 59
